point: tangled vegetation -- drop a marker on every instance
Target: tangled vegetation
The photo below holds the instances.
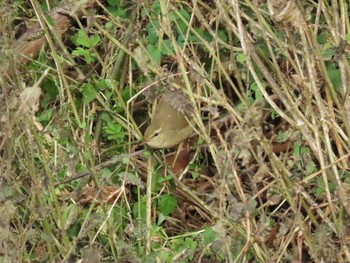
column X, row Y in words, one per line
column 264, row 177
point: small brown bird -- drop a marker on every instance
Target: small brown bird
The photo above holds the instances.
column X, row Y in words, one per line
column 170, row 126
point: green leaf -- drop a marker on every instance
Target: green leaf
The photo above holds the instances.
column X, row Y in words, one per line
column 114, row 131
column 88, row 138
column 310, row 167
column 283, row 136
column 184, row 14
column 44, row 6
column 146, row 154
column 81, row 39
column 322, row 38
column 82, row 125
column 152, row 28
column 125, row 160
column 274, row 115
column 178, row 18
column 251, row 206
column 209, row 235
column 167, row 204
column 131, row 178
column 249, row 100
column 45, row 116
column 205, row 35
column 296, row 150
column 117, row 11
column 113, row 128
column 154, row 53
column 109, row 25
column 50, row 92
column 257, row 93
column 327, row 54
column 89, row 93
column 139, row 210
column 50, row 20
column 334, row 75
column 347, row 37
column 101, row 84
column 113, row 3
column 161, row 218
column 167, row 48
column 305, row 150
column 106, row 173
column 80, row 52
column 127, row 93
column 241, row 58
column 222, row 35
column 106, row 117
column 164, row 256
column 190, row 243
column 95, row 39
column 155, row 7
column 165, row 179
column 182, row 29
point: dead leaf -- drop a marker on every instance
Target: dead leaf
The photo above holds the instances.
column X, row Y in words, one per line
column 91, row 254
column 286, row 11
column 30, row 100
column 106, row 194
column 180, row 159
column 343, row 191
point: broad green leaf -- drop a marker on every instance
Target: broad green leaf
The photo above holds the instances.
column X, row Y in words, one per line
column 89, row 93
column 241, row 58
column 80, row 52
column 209, row 235
column 166, row 205
column 152, row 28
column 167, row 47
column 131, row 178
column 154, row 53
column 95, row 39
column 45, row 116
column 113, row 3
column 296, row 150
column 284, row 136
column 82, row 125
column 222, row 35
column 347, row 37
column 81, row 39
column 334, row 75
column 114, row 131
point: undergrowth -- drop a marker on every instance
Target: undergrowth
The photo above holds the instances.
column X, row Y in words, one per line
column 264, row 178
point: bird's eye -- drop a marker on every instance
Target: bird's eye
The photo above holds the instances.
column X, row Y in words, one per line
column 156, row 134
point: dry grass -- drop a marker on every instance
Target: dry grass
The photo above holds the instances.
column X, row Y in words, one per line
column 265, row 180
